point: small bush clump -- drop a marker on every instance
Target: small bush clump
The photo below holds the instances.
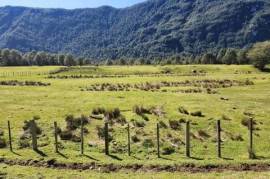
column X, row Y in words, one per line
column 182, row 110
column 168, row 150
column 147, row 143
column 197, row 114
column 135, row 139
column 175, row 125
column 3, row 143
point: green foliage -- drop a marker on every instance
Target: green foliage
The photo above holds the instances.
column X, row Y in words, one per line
column 209, row 58
column 260, row 54
column 154, row 29
column 230, row 57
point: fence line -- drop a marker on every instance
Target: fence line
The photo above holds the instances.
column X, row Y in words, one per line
column 34, row 138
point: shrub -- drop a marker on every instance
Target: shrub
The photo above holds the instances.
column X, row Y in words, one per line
column 24, row 143
column 183, row 110
column 197, row 114
column 175, row 125
column 99, row 110
column 3, row 143
column 237, row 137
column 1, row 132
column 163, row 125
column 140, row 110
column 203, row 134
column 73, row 123
column 245, row 122
column 101, row 133
column 148, row 143
column 135, row 139
column 260, row 54
column 113, row 113
column 66, row 135
column 168, row 150
column 225, row 118
column 138, row 123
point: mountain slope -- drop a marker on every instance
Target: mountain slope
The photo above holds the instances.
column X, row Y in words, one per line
column 153, row 28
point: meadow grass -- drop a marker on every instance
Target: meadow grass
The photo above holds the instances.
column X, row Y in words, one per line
column 64, row 96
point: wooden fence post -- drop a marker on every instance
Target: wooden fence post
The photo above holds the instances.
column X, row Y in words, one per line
column 188, row 139
column 56, row 138
column 9, row 137
column 218, row 139
column 128, row 130
column 82, row 137
column 251, row 152
column 106, row 131
column 158, row 144
column 34, row 135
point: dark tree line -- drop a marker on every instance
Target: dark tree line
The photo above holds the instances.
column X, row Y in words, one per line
column 15, row 58
column 258, row 55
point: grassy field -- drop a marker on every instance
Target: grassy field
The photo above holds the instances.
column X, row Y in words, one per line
column 27, row 172
column 68, row 94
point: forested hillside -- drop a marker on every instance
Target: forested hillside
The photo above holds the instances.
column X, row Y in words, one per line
column 156, row 28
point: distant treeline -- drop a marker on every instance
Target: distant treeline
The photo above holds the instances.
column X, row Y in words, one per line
column 259, row 55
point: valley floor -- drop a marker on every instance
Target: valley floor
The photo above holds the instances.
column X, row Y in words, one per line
column 145, row 96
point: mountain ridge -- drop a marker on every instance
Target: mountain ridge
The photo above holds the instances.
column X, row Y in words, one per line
column 155, row 28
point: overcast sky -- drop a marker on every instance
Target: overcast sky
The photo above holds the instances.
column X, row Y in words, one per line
column 69, row 4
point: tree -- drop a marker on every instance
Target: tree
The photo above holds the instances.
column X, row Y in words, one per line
column 208, row 58
column 108, row 62
column 221, row 54
column 230, row 57
column 61, row 59
column 242, row 57
column 81, row 61
column 69, row 60
column 259, row 54
column 38, row 59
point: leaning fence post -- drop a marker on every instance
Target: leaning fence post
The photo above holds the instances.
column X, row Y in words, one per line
column 9, row 137
column 128, row 130
column 188, row 139
column 251, row 153
column 106, row 131
column 55, row 137
column 34, row 135
column 82, row 138
column 158, row 144
column 218, row 139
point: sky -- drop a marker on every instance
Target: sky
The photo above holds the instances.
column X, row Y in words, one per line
column 69, row 4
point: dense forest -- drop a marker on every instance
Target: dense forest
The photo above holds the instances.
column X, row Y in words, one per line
column 155, row 29
column 258, row 54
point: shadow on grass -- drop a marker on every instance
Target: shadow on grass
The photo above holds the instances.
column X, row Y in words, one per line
column 41, row 153
column 165, row 158
column 89, row 157
column 137, row 158
column 15, row 153
column 227, row 158
column 195, row 158
column 266, row 70
column 62, row 155
column 115, row 157
column 258, row 157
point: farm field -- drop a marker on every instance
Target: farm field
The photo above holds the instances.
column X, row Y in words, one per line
column 141, row 96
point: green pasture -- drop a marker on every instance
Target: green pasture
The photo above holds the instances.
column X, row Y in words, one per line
column 65, row 96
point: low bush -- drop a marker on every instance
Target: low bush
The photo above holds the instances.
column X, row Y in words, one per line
column 197, row 114
column 175, row 125
column 138, row 123
column 182, row 110
column 3, row 143
column 203, row 134
column 168, row 150
column 147, row 143
column 135, row 139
